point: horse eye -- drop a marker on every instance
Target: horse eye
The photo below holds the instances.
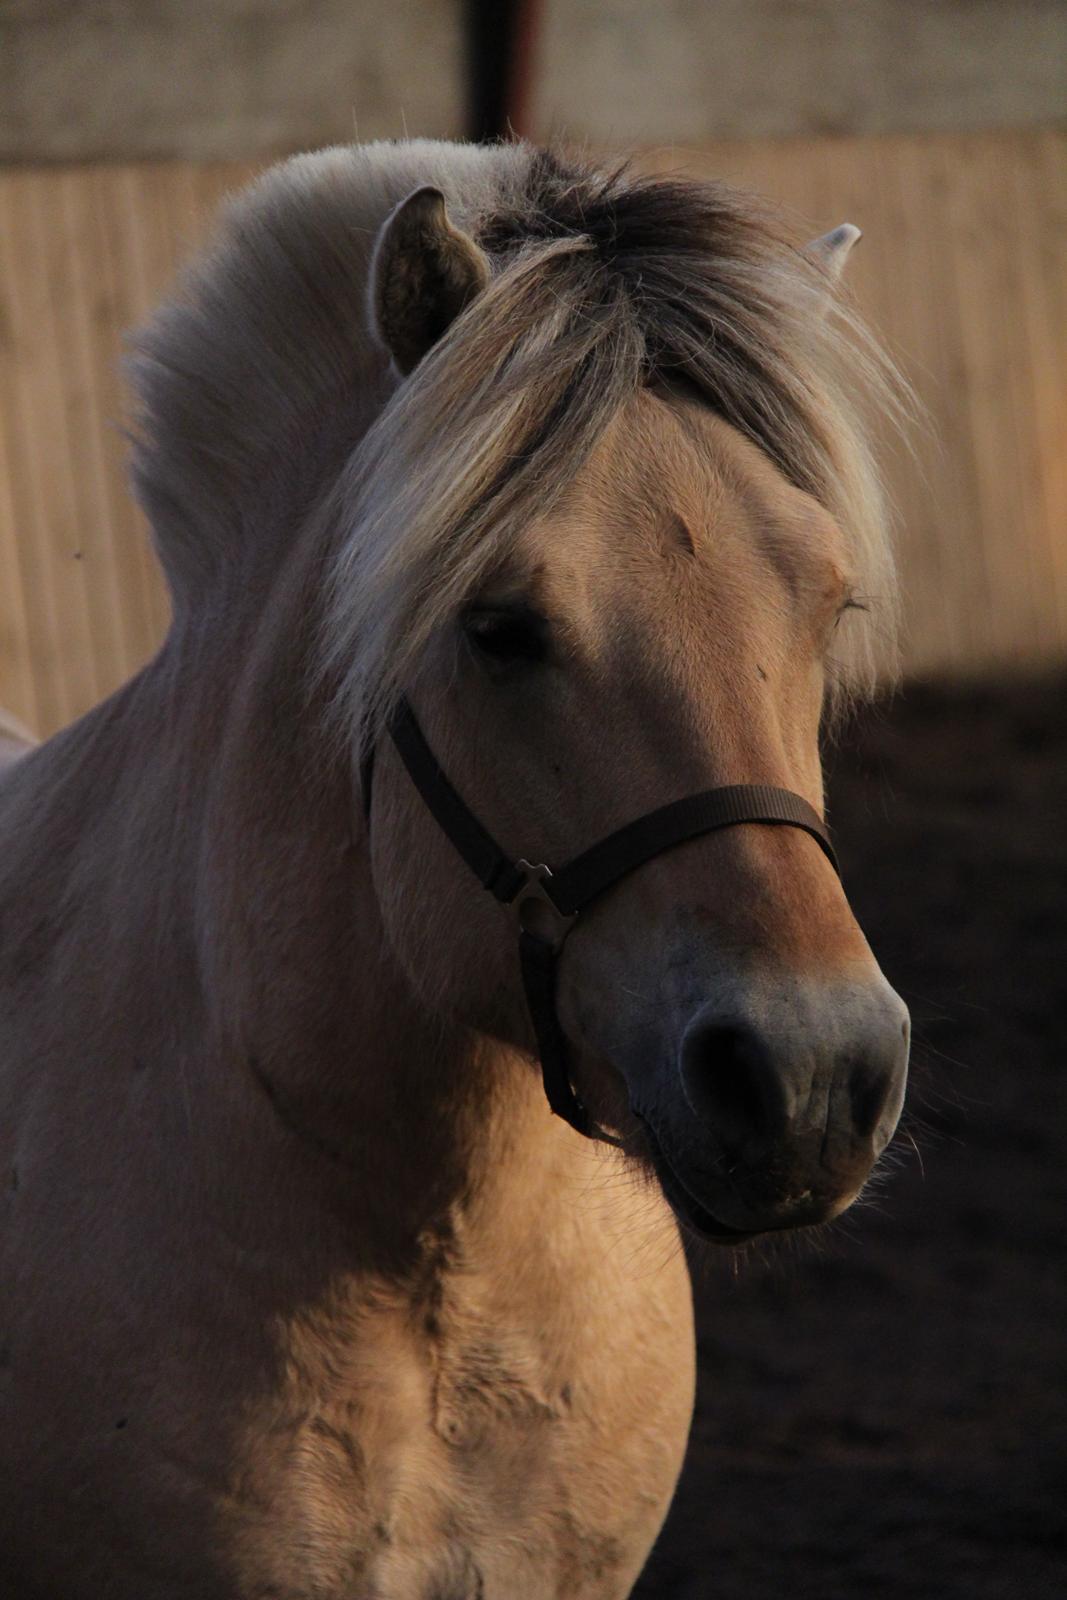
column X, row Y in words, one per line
column 507, row 637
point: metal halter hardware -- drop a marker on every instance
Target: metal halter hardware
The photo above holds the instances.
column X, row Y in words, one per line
column 547, row 901
column 534, row 893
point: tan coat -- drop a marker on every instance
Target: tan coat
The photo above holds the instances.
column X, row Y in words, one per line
column 304, row 1294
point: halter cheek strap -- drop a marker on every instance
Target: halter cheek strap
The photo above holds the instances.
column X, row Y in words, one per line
column 548, row 902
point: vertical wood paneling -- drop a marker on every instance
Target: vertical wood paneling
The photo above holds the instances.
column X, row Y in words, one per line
column 35, row 427
column 962, row 271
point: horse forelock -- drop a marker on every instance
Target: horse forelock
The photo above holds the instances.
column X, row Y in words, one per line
column 602, row 282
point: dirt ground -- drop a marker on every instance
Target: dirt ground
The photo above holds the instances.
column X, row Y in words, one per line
column 883, row 1411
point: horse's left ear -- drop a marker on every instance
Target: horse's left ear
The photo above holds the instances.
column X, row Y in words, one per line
column 423, row 273
column 831, row 251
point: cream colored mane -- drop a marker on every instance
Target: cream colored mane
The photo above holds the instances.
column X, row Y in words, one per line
column 601, row 282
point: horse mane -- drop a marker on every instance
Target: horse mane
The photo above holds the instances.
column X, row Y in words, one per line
column 265, row 344
column 603, row 281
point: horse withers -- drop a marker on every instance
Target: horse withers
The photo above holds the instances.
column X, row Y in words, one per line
column 304, row 1290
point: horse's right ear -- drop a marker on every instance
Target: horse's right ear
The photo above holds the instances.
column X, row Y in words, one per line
column 424, row 271
column 833, row 249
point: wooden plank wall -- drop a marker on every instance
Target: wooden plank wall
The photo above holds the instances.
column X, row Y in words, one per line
column 85, row 252
column 962, row 271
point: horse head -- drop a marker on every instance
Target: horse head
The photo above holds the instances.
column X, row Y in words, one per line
column 662, row 617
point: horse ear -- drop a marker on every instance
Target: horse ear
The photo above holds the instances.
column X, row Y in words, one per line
column 423, row 273
column 832, row 249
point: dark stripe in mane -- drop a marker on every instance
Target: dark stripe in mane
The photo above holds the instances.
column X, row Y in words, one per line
column 671, row 248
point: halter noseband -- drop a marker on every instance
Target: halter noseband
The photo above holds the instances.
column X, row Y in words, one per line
column 540, row 894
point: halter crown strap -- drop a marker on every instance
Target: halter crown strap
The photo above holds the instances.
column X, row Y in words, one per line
column 567, row 891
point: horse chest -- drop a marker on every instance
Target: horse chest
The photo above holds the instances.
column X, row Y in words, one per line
column 459, row 1464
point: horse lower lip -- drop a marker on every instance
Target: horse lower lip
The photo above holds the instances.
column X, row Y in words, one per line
column 684, row 1204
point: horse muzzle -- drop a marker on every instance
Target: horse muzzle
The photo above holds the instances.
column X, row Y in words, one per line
column 790, row 1093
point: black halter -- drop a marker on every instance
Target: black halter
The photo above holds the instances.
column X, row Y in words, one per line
column 547, row 899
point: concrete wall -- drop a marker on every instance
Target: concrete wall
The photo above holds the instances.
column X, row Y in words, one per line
column 692, row 70
column 114, row 79
column 202, row 79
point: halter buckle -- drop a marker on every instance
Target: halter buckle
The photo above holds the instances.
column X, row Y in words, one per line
column 537, row 912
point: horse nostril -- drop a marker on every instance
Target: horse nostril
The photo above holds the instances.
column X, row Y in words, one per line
column 869, row 1089
column 731, row 1083
column 876, row 1080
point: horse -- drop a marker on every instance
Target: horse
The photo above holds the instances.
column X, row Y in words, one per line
column 499, row 497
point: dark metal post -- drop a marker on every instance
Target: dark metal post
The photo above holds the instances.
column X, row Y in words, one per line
column 499, row 48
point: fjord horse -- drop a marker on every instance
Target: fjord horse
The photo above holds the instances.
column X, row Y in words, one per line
column 504, row 504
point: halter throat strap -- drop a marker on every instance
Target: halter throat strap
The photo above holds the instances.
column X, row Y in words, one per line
column 548, row 901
